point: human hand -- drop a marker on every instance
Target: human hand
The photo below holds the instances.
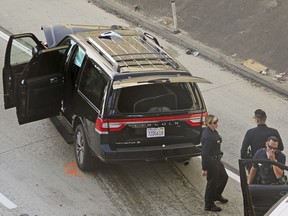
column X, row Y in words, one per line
column 204, row 173
column 271, row 154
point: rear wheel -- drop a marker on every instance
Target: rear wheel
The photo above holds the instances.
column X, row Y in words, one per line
column 84, row 158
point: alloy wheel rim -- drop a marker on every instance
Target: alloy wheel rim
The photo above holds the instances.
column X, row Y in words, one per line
column 79, row 147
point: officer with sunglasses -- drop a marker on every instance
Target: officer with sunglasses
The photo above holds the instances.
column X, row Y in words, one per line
column 212, row 167
column 269, row 174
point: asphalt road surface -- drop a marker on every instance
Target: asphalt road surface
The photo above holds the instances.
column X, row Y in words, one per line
column 38, row 174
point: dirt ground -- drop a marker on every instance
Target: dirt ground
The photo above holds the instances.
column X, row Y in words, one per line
column 243, row 29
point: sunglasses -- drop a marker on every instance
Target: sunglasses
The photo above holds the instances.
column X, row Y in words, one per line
column 215, row 122
column 271, row 147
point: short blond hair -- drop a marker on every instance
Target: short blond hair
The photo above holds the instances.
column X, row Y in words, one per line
column 209, row 118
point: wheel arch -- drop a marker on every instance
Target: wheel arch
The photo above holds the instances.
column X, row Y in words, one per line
column 76, row 121
column 79, row 120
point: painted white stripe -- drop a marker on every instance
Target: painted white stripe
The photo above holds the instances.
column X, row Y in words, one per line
column 4, row 36
column 233, row 175
column 6, row 202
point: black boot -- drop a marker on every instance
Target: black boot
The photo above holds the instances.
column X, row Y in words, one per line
column 213, row 208
column 221, row 199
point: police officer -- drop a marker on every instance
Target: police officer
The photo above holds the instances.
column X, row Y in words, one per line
column 211, row 165
column 255, row 138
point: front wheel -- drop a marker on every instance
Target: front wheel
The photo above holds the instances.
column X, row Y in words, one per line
column 84, row 158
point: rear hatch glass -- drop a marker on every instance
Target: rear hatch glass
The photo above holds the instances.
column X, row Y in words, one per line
column 157, row 114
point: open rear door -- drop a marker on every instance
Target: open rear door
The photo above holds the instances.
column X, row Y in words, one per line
column 41, row 86
column 19, row 52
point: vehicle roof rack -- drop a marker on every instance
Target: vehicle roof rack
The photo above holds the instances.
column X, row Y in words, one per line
column 159, row 49
column 103, row 53
column 132, row 51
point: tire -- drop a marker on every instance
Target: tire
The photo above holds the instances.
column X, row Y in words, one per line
column 85, row 160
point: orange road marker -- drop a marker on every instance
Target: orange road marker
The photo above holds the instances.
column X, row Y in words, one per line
column 71, row 169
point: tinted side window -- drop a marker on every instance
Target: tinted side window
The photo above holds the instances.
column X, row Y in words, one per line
column 92, row 83
column 158, row 98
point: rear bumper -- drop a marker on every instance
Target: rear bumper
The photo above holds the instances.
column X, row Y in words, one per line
column 151, row 153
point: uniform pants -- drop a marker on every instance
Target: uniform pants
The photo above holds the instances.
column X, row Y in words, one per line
column 216, row 181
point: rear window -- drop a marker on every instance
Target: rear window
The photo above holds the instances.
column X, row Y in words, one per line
column 155, row 98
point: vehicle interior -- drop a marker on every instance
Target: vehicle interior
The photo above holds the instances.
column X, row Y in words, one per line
column 157, row 98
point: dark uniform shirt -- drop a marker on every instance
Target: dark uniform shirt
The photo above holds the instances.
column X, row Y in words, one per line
column 257, row 137
column 266, row 170
column 211, row 142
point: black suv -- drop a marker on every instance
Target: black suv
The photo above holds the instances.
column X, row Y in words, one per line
column 122, row 95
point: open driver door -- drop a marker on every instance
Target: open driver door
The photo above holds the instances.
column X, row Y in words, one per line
column 36, row 85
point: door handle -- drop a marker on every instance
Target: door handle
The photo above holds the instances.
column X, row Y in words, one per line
column 282, row 193
column 53, row 80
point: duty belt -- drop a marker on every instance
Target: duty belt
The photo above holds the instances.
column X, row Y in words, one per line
column 214, row 157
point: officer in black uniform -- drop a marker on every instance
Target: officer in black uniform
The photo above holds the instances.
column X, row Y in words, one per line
column 255, row 138
column 211, row 165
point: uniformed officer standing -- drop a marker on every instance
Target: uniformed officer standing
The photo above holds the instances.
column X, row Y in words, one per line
column 255, row 138
column 211, row 165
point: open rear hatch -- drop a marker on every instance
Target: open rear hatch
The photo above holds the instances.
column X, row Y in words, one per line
column 157, row 111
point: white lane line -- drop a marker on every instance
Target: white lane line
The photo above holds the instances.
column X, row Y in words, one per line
column 4, row 36
column 6, row 202
column 3, row 200
column 233, row 175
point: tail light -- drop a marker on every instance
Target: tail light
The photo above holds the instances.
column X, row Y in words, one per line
column 197, row 119
column 102, row 126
